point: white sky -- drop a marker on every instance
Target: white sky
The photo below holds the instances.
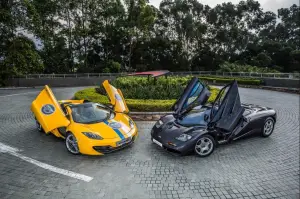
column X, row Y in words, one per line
column 267, row 5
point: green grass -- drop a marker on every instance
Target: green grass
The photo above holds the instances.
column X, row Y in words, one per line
column 135, row 104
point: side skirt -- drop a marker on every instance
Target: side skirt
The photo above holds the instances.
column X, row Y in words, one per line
column 249, row 132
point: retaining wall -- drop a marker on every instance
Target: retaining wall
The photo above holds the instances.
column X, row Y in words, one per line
column 289, row 83
column 93, row 81
column 58, row 82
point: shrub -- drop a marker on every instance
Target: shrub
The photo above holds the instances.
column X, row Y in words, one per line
column 234, row 67
column 141, row 88
column 135, row 104
column 144, row 95
column 165, row 88
column 113, row 67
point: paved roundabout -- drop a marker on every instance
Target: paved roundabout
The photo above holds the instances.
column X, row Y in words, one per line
column 250, row 168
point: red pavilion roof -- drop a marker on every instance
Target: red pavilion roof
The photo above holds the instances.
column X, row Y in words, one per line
column 155, row 73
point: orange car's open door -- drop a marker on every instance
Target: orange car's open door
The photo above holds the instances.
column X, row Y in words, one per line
column 116, row 98
column 48, row 111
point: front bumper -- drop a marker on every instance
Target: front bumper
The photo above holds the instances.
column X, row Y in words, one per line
column 171, row 145
column 108, row 149
column 100, row 147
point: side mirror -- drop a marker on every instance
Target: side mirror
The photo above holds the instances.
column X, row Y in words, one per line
column 110, row 106
column 206, row 117
column 68, row 113
column 68, row 117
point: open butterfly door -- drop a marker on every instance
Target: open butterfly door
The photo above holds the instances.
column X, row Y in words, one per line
column 48, row 112
column 194, row 94
column 230, row 110
column 116, row 98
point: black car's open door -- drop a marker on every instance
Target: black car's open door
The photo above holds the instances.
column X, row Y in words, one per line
column 227, row 108
column 194, row 94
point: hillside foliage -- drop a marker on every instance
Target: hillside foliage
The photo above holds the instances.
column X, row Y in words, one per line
column 132, row 35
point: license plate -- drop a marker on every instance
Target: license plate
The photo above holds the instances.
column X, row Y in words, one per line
column 157, row 142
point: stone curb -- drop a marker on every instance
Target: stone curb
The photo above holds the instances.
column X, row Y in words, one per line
column 147, row 116
column 14, row 88
column 150, row 113
column 282, row 89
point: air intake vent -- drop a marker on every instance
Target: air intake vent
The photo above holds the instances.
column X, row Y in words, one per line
column 169, row 125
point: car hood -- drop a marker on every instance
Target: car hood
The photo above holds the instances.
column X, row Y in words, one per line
column 173, row 129
column 255, row 107
column 108, row 129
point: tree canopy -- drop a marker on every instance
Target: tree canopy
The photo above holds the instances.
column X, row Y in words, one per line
column 66, row 36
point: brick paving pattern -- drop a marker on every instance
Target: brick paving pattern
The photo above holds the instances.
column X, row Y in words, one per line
column 254, row 167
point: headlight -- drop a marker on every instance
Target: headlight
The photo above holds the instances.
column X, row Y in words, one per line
column 184, row 137
column 92, row 136
column 131, row 123
column 158, row 124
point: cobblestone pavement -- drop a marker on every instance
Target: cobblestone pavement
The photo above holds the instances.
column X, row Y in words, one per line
column 250, row 168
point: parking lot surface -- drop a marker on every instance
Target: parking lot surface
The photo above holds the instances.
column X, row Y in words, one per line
column 254, row 167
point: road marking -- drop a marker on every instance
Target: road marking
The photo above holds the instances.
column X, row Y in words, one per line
column 18, row 94
column 14, row 151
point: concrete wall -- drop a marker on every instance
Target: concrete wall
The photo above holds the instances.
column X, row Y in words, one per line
column 93, row 81
column 289, row 83
column 58, row 82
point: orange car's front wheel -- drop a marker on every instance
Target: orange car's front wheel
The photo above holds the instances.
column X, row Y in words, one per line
column 71, row 144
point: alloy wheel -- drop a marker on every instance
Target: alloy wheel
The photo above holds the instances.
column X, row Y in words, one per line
column 268, row 127
column 71, row 144
column 204, row 146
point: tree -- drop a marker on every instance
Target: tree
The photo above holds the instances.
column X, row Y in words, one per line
column 139, row 21
column 22, row 58
column 262, row 60
column 295, row 60
column 130, row 35
column 289, row 28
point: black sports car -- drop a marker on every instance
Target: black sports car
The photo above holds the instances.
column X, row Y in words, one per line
column 197, row 127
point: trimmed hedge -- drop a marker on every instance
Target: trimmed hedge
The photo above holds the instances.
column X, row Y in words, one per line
column 135, row 104
column 142, row 88
column 236, row 67
column 144, row 95
column 165, row 88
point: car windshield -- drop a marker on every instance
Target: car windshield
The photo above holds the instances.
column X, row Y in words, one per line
column 90, row 113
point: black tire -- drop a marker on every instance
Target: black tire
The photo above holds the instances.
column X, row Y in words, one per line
column 70, row 147
column 39, row 126
column 211, row 145
column 268, row 127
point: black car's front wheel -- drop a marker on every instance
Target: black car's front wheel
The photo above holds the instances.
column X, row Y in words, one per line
column 268, row 127
column 205, row 145
column 71, row 144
